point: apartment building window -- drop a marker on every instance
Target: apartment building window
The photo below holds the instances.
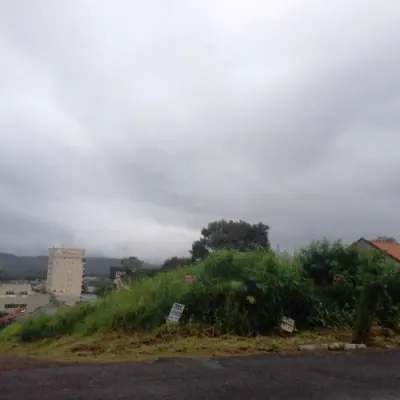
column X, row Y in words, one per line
column 23, row 293
column 14, row 305
column 10, row 292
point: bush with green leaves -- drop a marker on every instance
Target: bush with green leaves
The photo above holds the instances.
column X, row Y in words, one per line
column 344, row 301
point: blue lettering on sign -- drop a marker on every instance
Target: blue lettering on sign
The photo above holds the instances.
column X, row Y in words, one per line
column 176, row 312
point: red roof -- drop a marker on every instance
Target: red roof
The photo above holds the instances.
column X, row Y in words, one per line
column 392, row 249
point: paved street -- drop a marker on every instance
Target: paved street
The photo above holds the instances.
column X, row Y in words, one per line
column 331, row 376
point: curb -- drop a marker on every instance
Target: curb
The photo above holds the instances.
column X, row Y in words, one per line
column 338, row 346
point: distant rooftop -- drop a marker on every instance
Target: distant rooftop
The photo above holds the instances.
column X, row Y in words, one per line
column 66, row 252
column 15, row 288
column 392, row 249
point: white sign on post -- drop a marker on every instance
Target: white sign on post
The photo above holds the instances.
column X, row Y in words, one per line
column 175, row 313
column 287, row 324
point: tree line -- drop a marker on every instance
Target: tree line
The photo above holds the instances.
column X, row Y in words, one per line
column 223, row 234
column 218, row 235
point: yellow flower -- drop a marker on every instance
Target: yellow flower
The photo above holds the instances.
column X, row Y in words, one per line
column 251, row 299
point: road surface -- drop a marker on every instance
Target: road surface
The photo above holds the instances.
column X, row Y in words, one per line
column 325, row 377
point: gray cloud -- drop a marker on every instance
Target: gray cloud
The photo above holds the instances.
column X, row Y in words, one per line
column 125, row 127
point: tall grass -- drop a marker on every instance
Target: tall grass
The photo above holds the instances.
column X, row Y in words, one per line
column 242, row 293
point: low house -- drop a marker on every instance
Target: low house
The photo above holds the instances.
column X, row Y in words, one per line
column 391, row 249
column 14, row 296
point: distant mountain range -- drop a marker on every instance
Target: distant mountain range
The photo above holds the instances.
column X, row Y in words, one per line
column 32, row 267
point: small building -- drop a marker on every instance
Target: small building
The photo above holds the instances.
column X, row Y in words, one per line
column 20, row 296
column 391, row 249
column 15, row 289
column 69, row 301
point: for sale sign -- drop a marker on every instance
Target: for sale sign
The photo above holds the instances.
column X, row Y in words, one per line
column 287, row 324
column 175, row 313
column 339, row 278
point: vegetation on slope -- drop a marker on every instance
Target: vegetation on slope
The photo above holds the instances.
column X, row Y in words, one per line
column 244, row 293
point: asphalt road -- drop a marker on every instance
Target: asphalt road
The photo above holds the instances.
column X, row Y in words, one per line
column 341, row 376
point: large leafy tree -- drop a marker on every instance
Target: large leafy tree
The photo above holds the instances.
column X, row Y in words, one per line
column 131, row 269
column 236, row 235
column 132, row 263
column 199, row 250
column 174, row 262
column 387, row 239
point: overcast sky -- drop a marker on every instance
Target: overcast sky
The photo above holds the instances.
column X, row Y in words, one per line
column 125, row 126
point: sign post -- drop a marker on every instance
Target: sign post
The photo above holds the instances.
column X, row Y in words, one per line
column 287, row 324
column 175, row 313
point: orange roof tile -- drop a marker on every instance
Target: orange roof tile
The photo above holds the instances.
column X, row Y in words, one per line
column 392, row 248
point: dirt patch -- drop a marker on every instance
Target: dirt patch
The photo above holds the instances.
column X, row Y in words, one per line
column 84, row 349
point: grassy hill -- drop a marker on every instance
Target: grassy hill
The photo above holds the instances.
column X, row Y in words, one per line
column 235, row 293
column 32, row 267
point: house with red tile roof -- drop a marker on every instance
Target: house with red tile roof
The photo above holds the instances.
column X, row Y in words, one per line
column 391, row 249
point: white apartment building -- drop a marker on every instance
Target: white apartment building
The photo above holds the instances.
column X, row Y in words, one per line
column 14, row 296
column 65, row 272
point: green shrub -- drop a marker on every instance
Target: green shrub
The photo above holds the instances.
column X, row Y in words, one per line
column 43, row 326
